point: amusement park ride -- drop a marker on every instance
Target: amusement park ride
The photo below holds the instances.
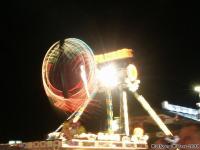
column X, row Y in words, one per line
column 72, row 75
column 86, row 74
column 193, row 114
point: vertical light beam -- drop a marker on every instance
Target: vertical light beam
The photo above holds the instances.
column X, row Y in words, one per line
column 126, row 122
column 81, row 110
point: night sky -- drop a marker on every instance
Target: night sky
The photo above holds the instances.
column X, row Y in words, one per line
column 163, row 34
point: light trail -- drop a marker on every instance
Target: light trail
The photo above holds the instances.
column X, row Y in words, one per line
column 83, row 107
column 152, row 113
column 126, row 122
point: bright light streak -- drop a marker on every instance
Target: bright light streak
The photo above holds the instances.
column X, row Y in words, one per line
column 115, row 55
column 152, row 113
column 108, row 76
column 125, row 113
column 83, row 107
column 84, row 78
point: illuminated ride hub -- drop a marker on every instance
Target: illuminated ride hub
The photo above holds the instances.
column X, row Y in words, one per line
column 72, row 75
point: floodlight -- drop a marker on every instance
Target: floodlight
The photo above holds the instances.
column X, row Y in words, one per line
column 108, row 76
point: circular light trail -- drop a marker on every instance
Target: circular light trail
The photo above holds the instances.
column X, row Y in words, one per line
column 61, row 73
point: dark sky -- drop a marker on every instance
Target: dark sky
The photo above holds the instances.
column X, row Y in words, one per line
column 163, row 34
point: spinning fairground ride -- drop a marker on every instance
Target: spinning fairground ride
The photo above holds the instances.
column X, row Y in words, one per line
column 72, row 75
